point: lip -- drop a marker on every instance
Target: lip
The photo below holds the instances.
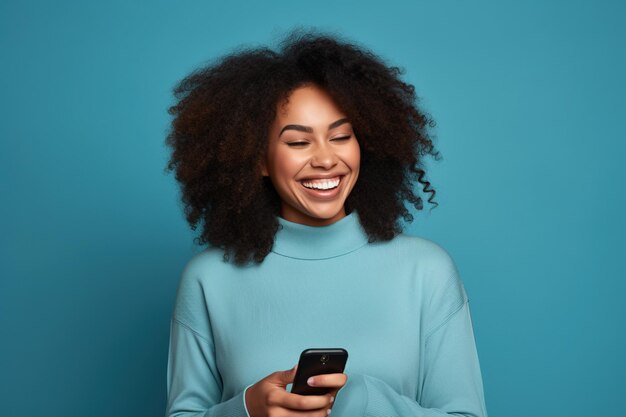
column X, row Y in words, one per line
column 323, row 177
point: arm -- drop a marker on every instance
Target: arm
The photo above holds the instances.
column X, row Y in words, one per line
column 451, row 380
column 451, row 384
column 194, row 386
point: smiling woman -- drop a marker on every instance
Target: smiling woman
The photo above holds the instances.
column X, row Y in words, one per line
column 302, row 161
column 313, row 164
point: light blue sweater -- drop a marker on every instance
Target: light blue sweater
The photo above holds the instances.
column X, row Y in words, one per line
column 399, row 308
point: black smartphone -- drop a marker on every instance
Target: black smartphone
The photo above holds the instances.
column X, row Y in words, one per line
column 316, row 362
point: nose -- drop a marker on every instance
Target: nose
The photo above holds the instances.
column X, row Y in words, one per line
column 324, row 157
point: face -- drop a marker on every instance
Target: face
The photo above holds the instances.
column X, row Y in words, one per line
column 313, row 158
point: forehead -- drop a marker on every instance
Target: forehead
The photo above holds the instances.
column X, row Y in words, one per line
column 308, row 102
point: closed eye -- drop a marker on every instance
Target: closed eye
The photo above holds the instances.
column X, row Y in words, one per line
column 296, row 143
column 343, row 138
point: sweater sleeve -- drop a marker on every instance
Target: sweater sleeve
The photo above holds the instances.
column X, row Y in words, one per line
column 449, row 381
column 452, row 382
column 194, row 384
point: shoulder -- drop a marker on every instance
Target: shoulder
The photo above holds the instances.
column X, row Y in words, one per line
column 430, row 256
column 192, row 286
column 435, row 273
column 201, row 264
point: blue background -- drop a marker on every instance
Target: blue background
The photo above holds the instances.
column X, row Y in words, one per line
column 529, row 101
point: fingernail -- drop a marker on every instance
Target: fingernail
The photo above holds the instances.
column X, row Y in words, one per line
column 332, row 399
column 328, row 411
column 310, row 381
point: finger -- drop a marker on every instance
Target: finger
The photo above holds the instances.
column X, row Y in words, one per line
column 333, row 393
column 282, row 378
column 298, row 402
column 328, row 380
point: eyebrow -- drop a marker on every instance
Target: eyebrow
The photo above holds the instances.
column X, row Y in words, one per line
column 309, row 129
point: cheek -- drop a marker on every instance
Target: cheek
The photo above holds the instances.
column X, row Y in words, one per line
column 286, row 165
column 353, row 156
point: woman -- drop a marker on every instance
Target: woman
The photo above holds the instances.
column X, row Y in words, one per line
column 297, row 164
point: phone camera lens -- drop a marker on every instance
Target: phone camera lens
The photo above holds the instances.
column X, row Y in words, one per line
column 324, row 359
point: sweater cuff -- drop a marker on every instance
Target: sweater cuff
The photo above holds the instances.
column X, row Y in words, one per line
column 234, row 407
column 245, row 407
column 378, row 404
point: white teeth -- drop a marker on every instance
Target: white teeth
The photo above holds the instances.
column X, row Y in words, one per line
column 321, row 184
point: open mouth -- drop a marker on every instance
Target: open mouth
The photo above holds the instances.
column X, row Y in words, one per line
column 322, row 185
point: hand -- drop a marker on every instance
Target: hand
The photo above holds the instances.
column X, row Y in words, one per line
column 269, row 398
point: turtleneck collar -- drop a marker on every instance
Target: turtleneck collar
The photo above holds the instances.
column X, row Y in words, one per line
column 301, row 241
